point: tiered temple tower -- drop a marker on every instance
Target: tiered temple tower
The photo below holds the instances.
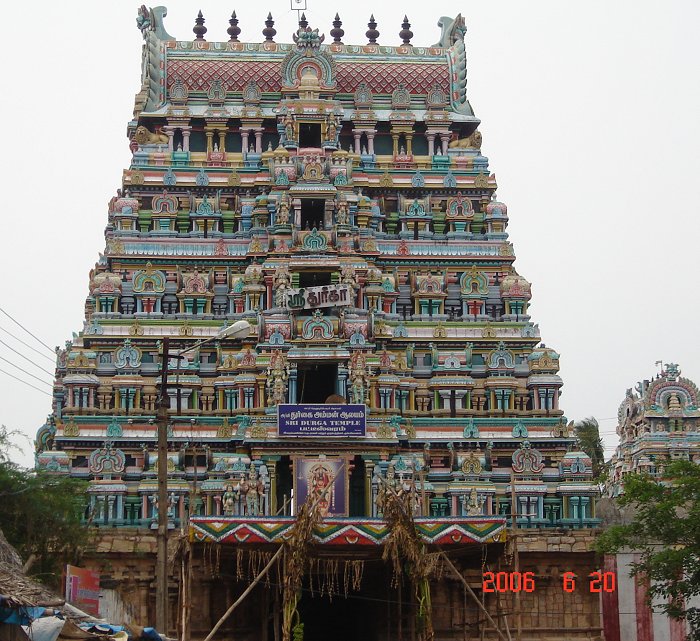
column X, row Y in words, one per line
column 336, row 197
column 657, row 424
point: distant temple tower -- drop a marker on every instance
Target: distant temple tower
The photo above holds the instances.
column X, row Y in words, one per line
column 336, row 197
column 657, row 425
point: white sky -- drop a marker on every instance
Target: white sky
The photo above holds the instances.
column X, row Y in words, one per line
column 589, row 114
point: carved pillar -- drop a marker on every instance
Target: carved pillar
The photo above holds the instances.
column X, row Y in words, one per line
column 357, row 135
column 222, row 140
column 244, row 141
column 186, row 131
column 395, row 140
column 431, row 143
column 369, row 468
column 409, row 144
column 210, row 138
column 170, row 132
column 444, row 141
column 258, row 141
column 370, row 142
column 272, row 470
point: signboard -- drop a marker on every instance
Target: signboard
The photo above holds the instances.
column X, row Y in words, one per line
column 83, row 589
column 324, row 480
column 324, row 296
column 321, row 420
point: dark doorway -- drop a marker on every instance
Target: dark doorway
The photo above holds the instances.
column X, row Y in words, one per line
column 310, row 134
column 314, row 279
column 284, row 485
column 316, row 382
column 312, row 210
column 362, row 615
column 357, row 488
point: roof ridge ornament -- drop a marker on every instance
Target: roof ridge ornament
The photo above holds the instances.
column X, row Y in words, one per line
column 372, row 33
column 234, row 30
column 199, row 28
column 453, row 29
column 269, row 31
column 307, row 38
column 337, row 32
column 406, row 34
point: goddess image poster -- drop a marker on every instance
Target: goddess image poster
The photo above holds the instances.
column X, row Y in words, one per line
column 325, row 481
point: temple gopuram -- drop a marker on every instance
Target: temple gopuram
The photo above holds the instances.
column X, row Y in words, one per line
column 336, row 198
column 657, row 424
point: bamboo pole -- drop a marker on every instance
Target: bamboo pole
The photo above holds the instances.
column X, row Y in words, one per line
column 246, row 592
column 471, row 592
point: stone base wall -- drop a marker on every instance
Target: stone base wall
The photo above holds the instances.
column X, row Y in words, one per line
column 126, row 562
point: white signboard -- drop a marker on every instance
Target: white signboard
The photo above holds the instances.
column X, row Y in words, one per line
column 324, row 296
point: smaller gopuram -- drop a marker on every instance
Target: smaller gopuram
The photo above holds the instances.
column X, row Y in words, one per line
column 657, row 424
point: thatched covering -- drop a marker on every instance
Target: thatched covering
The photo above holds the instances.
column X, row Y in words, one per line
column 17, row 588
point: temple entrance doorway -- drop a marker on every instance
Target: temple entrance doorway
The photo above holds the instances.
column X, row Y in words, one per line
column 359, row 616
column 316, row 382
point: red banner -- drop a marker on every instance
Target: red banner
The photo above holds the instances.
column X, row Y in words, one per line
column 83, row 589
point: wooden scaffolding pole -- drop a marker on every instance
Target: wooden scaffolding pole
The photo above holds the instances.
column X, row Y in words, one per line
column 246, row 592
column 468, row 587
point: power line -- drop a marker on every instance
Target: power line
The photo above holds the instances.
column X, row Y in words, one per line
column 25, row 382
column 26, row 372
column 16, row 322
column 25, row 358
column 19, row 340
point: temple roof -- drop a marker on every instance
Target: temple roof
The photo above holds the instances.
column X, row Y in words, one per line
column 404, row 78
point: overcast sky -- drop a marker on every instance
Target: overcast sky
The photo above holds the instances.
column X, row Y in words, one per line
column 589, row 114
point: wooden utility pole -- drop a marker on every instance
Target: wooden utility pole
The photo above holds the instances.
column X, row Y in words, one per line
column 162, row 541
column 516, row 557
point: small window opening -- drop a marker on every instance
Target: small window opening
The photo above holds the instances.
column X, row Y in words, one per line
column 312, row 210
column 314, row 279
column 310, row 134
column 316, row 382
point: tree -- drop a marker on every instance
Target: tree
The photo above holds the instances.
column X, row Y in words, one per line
column 588, row 435
column 40, row 514
column 665, row 530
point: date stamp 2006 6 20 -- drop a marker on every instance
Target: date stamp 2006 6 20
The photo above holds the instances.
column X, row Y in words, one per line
column 525, row 582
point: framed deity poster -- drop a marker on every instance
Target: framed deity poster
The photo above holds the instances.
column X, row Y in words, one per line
column 323, row 479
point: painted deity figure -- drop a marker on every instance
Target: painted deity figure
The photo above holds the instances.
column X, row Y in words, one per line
column 358, row 378
column 348, row 276
column 332, row 130
column 244, row 488
column 341, row 215
column 473, row 504
column 277, row 375
column 251, row 500
column 229, row 501
column 281, row 281
column 320, row 487
column 283, row 213
column 288, row 128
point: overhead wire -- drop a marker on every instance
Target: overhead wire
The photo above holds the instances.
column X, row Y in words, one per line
column 25, row 371
column 16, row 322
column 19, row 340
column 25, row 382
column 26, row 358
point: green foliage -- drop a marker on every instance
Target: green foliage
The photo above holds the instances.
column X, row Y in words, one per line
column 588, row 436
column 665, row 530
column 40, row 515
